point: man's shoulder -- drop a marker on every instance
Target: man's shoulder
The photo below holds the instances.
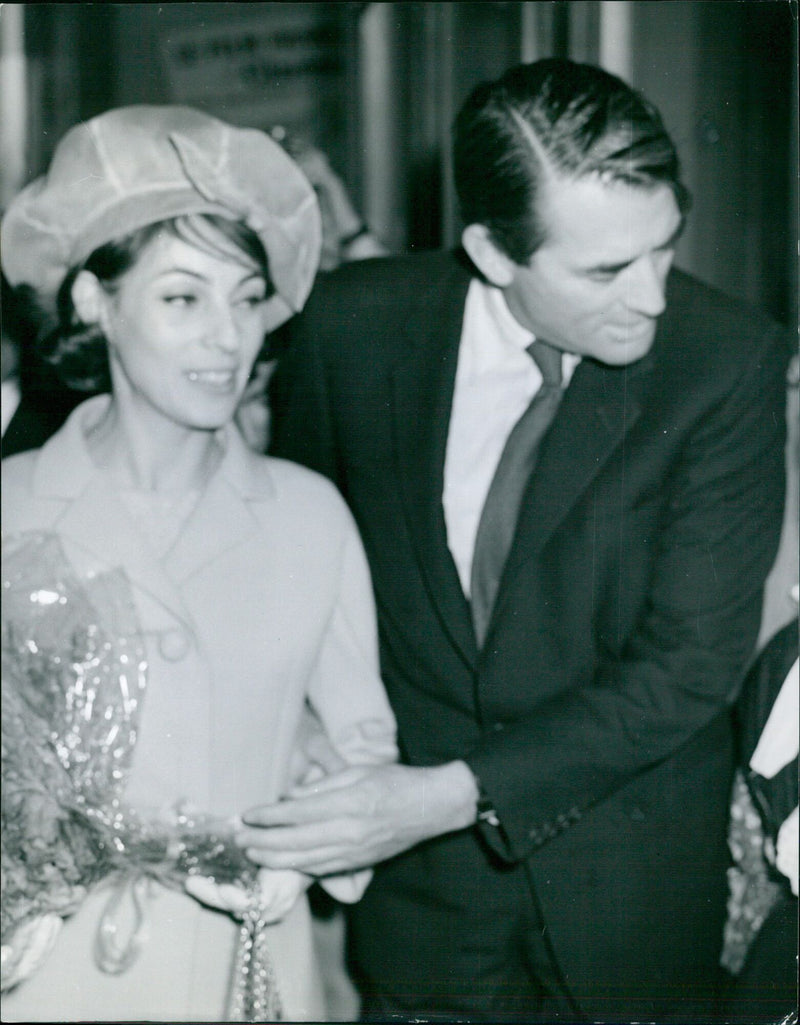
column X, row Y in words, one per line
column 393, row 279
column 696, row 304
column 709, row 336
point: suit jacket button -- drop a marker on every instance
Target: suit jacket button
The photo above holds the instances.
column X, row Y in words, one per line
column 173, row 645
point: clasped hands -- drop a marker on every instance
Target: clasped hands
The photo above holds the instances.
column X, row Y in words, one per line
column 358, row 816
column 339, row 819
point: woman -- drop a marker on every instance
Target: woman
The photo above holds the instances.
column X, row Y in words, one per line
column 168, row 244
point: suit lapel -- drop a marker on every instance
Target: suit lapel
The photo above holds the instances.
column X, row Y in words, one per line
column 423, row 394
column 598, row 409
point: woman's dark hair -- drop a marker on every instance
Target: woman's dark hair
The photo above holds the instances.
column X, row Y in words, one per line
column 552, row 116
column 78, row 351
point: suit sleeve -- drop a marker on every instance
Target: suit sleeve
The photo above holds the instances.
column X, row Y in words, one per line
column 682, row 665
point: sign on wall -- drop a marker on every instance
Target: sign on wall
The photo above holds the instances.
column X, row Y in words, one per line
column 280, row 66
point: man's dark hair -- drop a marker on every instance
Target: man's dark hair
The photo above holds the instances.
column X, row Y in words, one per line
column 552, row 116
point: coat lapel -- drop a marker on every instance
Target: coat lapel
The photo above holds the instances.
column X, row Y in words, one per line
column 222, row 519
column 96, row 521
column 101, row 527
column 423, row 394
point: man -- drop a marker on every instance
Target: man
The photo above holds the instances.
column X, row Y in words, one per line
column 556, row 836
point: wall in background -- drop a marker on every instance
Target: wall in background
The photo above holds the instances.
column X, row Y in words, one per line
column 376, row 85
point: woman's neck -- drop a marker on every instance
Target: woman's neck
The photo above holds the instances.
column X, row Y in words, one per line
column 146, row 451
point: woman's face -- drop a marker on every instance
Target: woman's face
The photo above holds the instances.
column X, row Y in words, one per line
column 184, row 327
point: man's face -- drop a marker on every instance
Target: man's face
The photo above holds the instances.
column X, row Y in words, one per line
column 595, row 287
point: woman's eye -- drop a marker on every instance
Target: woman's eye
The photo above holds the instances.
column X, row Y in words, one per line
column 252, row 298
column 180, row 299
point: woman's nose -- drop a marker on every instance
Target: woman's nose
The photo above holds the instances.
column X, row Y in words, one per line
column 223, row 331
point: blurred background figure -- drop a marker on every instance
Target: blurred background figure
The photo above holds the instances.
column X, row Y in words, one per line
column 761, row 932
column 345, row 237
column 9, row 362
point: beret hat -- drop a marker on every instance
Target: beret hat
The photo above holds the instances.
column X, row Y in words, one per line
column 134, row 166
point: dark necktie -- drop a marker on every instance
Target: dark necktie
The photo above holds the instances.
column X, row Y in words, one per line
column 500, row 511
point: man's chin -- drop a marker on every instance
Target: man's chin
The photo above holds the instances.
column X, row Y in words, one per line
column 623, row 351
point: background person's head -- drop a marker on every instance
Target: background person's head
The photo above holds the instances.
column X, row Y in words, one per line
column 552, row 118
column 121, row 183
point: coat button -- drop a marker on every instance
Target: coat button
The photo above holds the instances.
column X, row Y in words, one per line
column 173, row 645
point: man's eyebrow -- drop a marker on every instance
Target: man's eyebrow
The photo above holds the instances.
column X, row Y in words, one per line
column 615, row 268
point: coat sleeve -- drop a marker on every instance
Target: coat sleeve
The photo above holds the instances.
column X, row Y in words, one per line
column 346, row 692
column 683, row 664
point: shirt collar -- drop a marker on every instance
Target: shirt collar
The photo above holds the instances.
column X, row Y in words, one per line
column 493, row 334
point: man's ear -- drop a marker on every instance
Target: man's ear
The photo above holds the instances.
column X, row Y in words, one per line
column 87, row 297
column 492, row 262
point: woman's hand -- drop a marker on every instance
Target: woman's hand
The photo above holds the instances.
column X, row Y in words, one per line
column 31, row 943
column 279, row 890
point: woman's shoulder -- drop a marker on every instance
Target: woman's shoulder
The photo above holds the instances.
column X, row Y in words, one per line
column 291, row 483
column 304, row 508
column 293, row 480
column 18, row 470
column 17, row 494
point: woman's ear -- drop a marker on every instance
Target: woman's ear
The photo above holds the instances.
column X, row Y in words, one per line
column 492, row 262
column 87, row 297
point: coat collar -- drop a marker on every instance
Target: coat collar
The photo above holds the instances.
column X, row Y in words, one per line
column 99, row 523
column 64, row 465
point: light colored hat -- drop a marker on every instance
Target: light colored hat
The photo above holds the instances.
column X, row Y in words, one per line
column 137, row 165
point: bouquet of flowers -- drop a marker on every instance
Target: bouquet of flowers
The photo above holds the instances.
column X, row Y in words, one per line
column 73, row 681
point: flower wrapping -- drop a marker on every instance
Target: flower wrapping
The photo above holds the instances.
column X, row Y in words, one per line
column 74, row 679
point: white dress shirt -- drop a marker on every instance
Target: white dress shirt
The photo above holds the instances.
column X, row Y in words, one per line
column 9, row 400
column 495, row 382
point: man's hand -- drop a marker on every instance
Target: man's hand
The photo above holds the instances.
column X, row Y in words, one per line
column 360, row 816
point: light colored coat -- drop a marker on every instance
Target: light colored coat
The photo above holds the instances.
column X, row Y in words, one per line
column 263, row 601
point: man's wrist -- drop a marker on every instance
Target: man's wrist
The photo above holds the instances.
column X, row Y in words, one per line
column 455, row 796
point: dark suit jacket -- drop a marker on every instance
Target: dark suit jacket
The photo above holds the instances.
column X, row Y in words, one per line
column 596, row 715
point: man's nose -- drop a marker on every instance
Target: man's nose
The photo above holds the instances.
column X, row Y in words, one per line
column 646, row 286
